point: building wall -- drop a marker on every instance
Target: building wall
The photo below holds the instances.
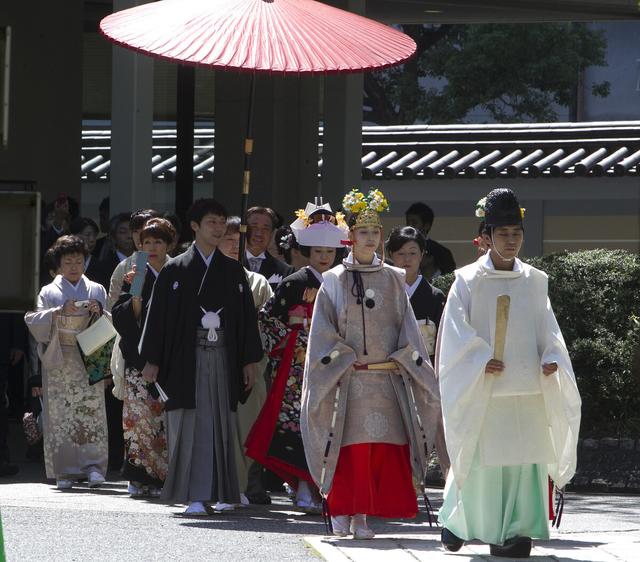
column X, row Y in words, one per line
column 45, row 111
column 561, row 214
column 97, row 65
column 162, row 195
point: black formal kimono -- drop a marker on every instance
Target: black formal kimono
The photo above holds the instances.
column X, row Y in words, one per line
column 427, row 303
column 273, row 269
column 142, row 413
column 275, row 440
column 125, row 322
column 185, row 286
column 108, row 263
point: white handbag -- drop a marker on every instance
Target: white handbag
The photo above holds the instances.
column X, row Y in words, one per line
column 96, row 335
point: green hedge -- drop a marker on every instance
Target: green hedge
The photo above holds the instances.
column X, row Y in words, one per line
column 596, row 297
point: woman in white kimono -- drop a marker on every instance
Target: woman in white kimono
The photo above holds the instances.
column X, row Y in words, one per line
column 509, row 424
column 75, row 425
column 370, row 403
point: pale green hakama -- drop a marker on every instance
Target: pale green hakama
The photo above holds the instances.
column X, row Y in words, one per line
column 497, row 503
column 506, row 434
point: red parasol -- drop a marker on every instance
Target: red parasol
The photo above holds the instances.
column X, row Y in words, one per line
column 274, row 36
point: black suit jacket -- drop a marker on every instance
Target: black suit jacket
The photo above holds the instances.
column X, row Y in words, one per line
column 273, row 266
column 442, row 257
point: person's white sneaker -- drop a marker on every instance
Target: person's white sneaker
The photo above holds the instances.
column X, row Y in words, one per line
column 154, row 492
column 309, row 507
column 134, row 491
column 360, row 529
column 244, row 500
column 64, row 484
column 221, row 506
column 340, row 524
column 95, row 479
column 196, row 508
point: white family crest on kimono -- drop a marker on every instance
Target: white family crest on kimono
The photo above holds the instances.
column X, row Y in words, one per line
column 520, row 416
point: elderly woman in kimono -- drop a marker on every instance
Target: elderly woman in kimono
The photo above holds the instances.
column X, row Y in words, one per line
column 75, row 424
column 370, row 402
column 511, row 417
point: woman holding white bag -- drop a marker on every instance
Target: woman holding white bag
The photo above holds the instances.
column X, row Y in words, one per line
column 75, row 424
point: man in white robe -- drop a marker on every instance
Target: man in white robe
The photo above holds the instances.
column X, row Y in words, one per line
column 511, row 424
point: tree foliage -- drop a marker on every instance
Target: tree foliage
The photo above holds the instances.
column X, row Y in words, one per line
column 514, row 72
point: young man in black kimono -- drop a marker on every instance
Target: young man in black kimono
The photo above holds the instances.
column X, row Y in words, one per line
column 201, row 344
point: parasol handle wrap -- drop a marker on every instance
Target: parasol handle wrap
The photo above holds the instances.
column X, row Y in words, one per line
column 502, row 319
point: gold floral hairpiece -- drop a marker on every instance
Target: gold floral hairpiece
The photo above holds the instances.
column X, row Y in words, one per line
column 366, row 207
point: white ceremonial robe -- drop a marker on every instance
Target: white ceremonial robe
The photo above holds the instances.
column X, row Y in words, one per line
column 518, row 417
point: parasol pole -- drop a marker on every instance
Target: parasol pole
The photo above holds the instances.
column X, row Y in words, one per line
column 246, row 177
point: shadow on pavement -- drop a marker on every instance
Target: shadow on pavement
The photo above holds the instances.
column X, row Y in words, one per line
column 281, row 517
column 84, row 489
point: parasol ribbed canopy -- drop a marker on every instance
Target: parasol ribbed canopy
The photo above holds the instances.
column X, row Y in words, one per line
column 272, row 36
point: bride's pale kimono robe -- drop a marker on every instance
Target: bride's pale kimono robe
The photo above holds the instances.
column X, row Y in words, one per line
column 342, row 406
column 75, row 423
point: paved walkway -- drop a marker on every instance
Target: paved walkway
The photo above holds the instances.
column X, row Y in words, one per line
column 567, row 547
column 595, row 528
column 105, row 525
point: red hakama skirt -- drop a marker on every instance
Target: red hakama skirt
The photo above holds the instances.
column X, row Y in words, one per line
column 374, row 479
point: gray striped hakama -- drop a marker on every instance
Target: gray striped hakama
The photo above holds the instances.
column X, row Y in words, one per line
column 201, row 441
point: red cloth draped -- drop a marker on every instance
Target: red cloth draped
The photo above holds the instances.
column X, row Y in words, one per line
column 374, row 479
column 261, row 434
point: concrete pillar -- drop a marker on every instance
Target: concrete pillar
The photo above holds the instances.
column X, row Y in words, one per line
column 131, row 126
column 342, row 139
column 285, row 132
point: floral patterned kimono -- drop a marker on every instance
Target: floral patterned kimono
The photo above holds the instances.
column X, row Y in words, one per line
column 75, row 423
column 146, row 457
column 275, row 440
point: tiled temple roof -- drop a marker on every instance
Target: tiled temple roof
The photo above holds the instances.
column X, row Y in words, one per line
column 430, row 151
